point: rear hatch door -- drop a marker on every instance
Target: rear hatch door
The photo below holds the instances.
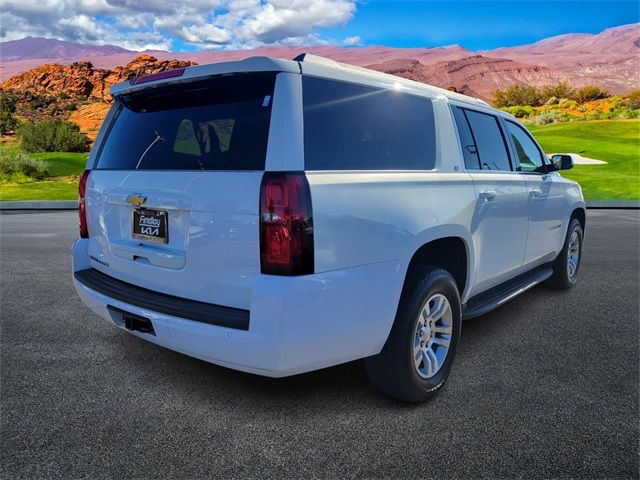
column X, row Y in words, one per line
column 173, row 199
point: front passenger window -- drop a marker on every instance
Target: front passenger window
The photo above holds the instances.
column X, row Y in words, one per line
column 528, row 154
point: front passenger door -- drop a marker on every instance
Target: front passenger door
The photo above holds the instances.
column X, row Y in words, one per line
column 546, row 200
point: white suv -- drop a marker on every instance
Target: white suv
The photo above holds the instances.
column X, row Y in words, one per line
column 278, row 216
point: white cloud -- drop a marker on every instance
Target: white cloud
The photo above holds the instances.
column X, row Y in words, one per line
column 146, row 24
column 352, row 41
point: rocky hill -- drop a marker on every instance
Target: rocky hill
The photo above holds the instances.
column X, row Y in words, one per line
column 79, row 92
column 81, row 79
column 476, row 75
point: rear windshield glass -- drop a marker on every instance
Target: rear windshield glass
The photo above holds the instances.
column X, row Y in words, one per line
column 357, row 127
column 214, row 124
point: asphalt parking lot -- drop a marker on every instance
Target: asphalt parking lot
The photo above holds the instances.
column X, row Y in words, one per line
column 546, row 386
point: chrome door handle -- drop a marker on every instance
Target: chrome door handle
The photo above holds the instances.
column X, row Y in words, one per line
column 487, row 195
column 536, row 192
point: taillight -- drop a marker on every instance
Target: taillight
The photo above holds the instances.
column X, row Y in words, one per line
column 82, row 208
column 286, row 224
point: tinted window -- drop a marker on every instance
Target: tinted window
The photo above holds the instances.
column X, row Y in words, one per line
column 526, row 150
column 489, row 141
column 356, row 127
column 216, row 124
column 468, row 145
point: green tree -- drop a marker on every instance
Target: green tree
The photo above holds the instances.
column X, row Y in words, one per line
column 589, row 93
column 559, row 90
column 517, row 95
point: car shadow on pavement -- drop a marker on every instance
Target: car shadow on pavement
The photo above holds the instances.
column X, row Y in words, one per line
column 339, row 385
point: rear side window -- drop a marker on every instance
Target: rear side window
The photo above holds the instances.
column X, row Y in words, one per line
column 215, row 124
column 357, row 127
column 490, row 143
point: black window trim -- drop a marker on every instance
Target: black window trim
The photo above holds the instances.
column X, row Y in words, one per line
column 119, row 107
column 545, row 160
column 501, row 128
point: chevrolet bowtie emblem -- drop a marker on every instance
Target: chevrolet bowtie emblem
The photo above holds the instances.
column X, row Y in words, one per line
column 136, row 199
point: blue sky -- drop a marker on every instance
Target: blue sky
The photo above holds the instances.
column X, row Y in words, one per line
column 480, row 25
column 186, row 25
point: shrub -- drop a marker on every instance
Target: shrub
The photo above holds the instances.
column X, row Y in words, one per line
column 589, row 93
column 14, row 162
column 52, row 136
column 519, row 111
column 517, row 95
column 565, row 103
column 8, row 122
column 560, row 90
column 633, row 99
column 547, row 117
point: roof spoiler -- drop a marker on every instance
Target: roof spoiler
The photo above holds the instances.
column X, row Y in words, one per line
column 309, row 57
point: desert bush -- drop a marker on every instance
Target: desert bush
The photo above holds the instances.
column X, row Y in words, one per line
column 8, row 122
column 565, row 103
column 519, row 111
column 52, row 136
column 517, row 95
column 632, row 100
column 589, row 93
column 559, row 90
column 547, row 117
column 14, row 161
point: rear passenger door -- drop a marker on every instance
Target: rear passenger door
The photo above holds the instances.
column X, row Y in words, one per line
column 500, row 220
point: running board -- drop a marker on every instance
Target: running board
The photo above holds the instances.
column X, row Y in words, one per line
column 496, row 296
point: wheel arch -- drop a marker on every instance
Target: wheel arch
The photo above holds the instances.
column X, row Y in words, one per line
column 451, row 253
column 581, row 215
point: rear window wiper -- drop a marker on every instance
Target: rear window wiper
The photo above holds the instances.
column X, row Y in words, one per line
column 158, row 138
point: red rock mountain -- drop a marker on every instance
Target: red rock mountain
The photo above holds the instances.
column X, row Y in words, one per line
column 610, row 59
column 476, row 75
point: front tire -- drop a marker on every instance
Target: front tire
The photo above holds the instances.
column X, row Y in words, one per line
column 417, row 357
column 567, row 263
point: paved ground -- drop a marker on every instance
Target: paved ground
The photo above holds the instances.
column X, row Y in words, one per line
column 546, row 386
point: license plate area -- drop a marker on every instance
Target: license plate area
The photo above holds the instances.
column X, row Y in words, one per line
column 150, row 225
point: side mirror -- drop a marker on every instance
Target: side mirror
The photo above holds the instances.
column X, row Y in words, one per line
column 562, row 162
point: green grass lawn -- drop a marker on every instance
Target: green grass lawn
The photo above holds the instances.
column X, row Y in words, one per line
column 62, row 164
column 614, row 141
column 64, row 170
column 60, row 188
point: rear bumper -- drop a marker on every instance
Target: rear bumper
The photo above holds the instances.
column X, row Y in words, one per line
column 161, row 303
column 296, row 324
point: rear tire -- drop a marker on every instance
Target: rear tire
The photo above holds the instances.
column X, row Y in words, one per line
column 567, row 264
column 417, row 357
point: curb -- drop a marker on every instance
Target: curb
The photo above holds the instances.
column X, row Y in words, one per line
column 40, row 205
column 613, row 203
column 73, row 204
